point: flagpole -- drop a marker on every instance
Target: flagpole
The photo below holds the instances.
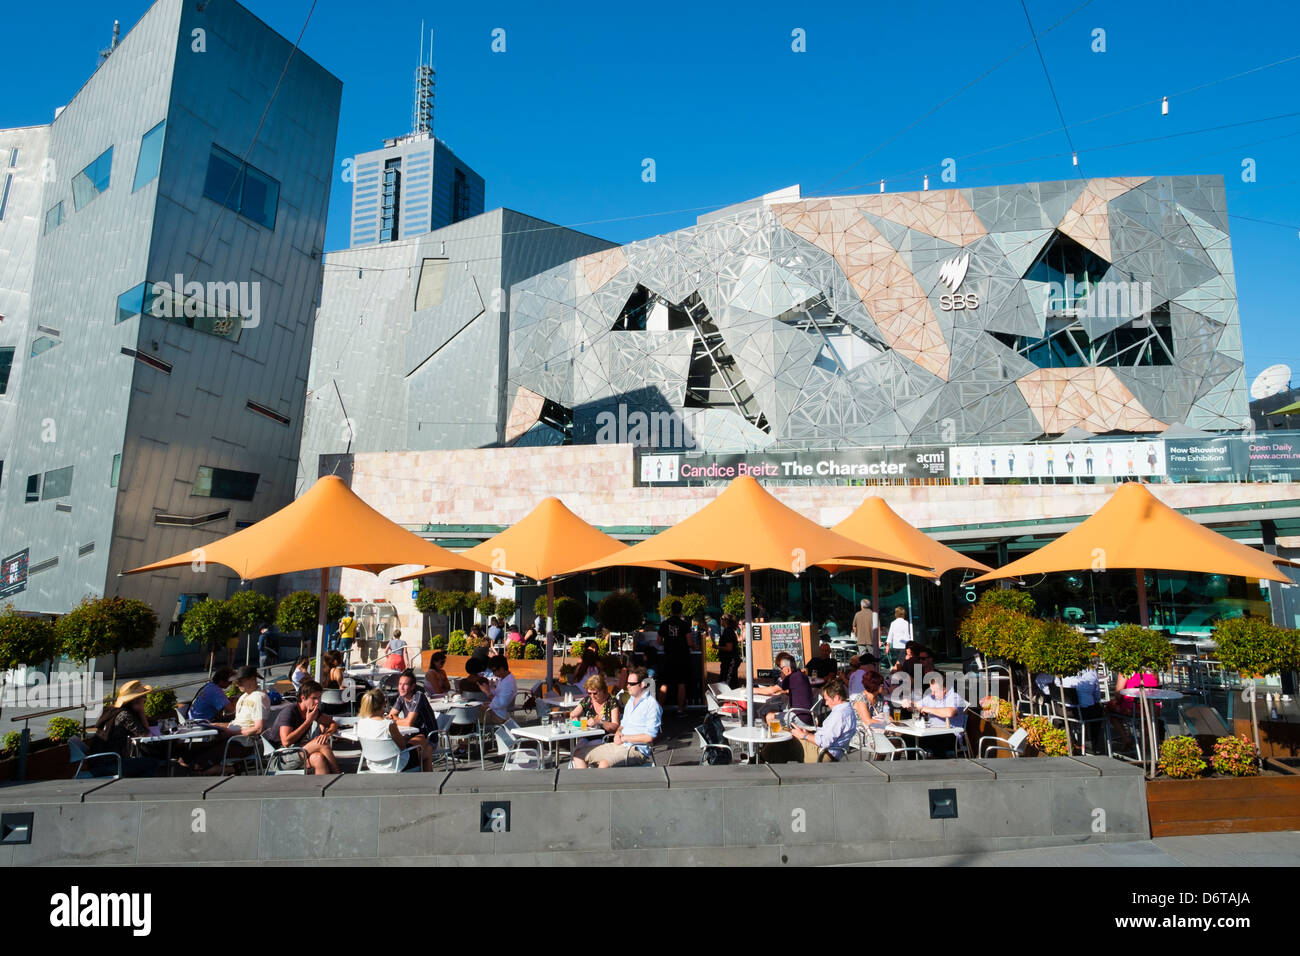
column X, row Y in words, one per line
column 749, row 651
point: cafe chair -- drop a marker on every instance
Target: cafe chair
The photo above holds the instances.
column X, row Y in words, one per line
column 519, row 754
column 274, row 758
column 724, row 751
column 1014, row 745
column 332, row 702
column 800, row 717
column 81, row 756
column 466, row 714
column 887, row 748
column 384, row 756
column 729, row 712
column 247, row 756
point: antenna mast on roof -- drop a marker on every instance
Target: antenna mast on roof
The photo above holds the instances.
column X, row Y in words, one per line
column 422, row 119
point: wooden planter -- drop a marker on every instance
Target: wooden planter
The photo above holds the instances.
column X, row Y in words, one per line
column 1224, row 805
column 46, row 760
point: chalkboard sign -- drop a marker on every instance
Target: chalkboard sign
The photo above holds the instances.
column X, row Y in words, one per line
column 771, row 639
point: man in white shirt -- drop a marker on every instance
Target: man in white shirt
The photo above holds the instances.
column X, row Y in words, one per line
column 503, row 697
column 642, row 719
column 837, row 730
column 900, row 632
column 494, row 631
column 941, row 708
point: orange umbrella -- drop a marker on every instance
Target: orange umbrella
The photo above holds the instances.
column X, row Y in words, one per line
column 1135, row 530
column 746, row 527
column 876, row 522
column 543, row 545
column 328, row 527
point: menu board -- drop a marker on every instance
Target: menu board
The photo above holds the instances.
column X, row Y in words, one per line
column 770, row 639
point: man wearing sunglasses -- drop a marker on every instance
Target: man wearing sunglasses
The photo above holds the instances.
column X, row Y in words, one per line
column 642, row 717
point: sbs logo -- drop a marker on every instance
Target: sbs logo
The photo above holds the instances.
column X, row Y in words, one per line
column 952, row 273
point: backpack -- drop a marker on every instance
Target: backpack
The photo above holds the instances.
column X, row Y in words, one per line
column 711, row 731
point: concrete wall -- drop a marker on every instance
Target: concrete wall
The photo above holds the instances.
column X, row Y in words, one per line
column 765, row 815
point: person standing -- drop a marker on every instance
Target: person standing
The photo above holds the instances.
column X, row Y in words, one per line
column 866, row 627
column 347, row 632
column 900, row 632
column 674, row 633
column 728, row 653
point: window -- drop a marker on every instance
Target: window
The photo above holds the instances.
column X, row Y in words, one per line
column 58, row 484
column 53, row 217
column 433, row 278
column 116, row 472
column 243, row 188
column 224, row 483
column 131, row 302
column 43, row 344
column 146, row 166
column 33, row 488
column 6, row 364
column 392, row 200
column 4, row 194
column 266, row 412
column 13, row 157
column 92, row 180
column 460, row 197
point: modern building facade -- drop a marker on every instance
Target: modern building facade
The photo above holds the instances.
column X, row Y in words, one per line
column 412, row 186
column 157, row 402
column 993, row 314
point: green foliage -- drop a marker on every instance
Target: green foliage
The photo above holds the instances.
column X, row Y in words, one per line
column 734, row 603
column 1055, row 648
column 1131, row 648
column 448, row 603
column 10, row 742
column 1181, row 758
column 487, row 606
column 1046, row 739
column 60, row 729
column 457, row 643
column 458, row 633
column 692, row 604
column 539, row 606
column 299, row 612
column 997, row 710
column 533, row 652
column 101, row 627
column 25, row 641
column 250, row 608
column 335, row 605
column 160, row 702
column 1009, row 599
column 710, row 651
column 233, row 692
column 620, row 611
column 569, row 615
column 997, row 631
column 210, row 622
column 426, row 601
column 437, row 643
column 506, row 608
column 1235, row 757
column 514, row 650
column 1256, row 647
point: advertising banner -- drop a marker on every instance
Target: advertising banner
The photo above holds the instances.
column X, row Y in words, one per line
column 1207, row 459
column 13, row 573
column 1059, row 460
column 1273, row 458
column 850, row 463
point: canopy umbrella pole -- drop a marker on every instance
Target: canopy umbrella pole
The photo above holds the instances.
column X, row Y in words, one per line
column 1142, row 596
column 749, row 652
column 550, row 629
column 321, row 619
column 875, row 610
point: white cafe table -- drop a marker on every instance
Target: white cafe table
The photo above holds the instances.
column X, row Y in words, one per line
column 909, row 729
column 372, row 671
column 190, row 734
column 553, row 733
column 349, row 731
column 758, row 734
column 1153, row 693
column 738, row 695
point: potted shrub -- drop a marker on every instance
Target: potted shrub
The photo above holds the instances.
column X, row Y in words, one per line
column 98, row 627
column 533, row 652
column 506, row 608
column 24, row 642
column 1181, row 758
column 1235, row 757
column 734, row 604
column 1048, row 740
column 569, row 616
column 62, row 729
column 692, row 604
column 299, row 613
column 486, row 605
column 160, row 703
column 209, row 622
column 515, row 650
column 249, row 610
column 998, row 627
column 456, row 644
column 619, row 612
column 1256, row 647
column 1057, row 649
column 1132, row 649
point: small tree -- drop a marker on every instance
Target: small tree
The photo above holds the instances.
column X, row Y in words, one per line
column 486, row 605
column 447, row 603
column 1057, row 649
column 506, row 608
column 734, row 604
column 569, row 616
column 1133, row 649
column 24, row 642
column 210, row 621
column 999, row 627
column 619, row 611
column 426, row 602
column 250, row 609
column 1256, row 648
column 692, row 604
column 98, row 627
column 335, row 605
column 1010, row 599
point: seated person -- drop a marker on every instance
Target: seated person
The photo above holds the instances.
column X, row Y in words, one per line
column 373, row 725
column 474, row 686
column 253, row 708
column 792, row 682
column 1087, row 690
column 211, row 702
column 941, row 708
column 588, row 667
column 436, row 680
column 503, row 697
column 396, row 648
column 872, row 707
column 412, row 708
column 304, row 724
column 910, row 659
column 113, row 732
column 642, row 718
column 332, row 662
column 1130, row 705
column 833, row 736
column 823, row 665
column 859, row 666
column 599, row 704
column 301, row 671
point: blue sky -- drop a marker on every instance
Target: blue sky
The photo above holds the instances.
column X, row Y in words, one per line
column 560, row 123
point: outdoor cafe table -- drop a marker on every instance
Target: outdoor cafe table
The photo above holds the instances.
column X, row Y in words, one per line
column 349, row 731
column 739, row 696
column 758, row 734
column 909, row 729
column 554, row 733
column 1153, row 693
column 194, row 733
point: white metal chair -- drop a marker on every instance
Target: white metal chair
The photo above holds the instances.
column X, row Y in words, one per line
column 385, row 756
column 716, row 706
column 81, row 756
column 274, row 758
column 250, row 760
column 1014, row 745
column 466, row 714
column 518, row 754
column 705, row 747
column 886, row 748
column 331, row 701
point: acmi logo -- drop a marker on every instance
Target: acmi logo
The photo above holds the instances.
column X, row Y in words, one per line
column 952, row 273
column 77, row 909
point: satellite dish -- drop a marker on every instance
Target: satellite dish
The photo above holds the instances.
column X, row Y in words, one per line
column 1274, row 379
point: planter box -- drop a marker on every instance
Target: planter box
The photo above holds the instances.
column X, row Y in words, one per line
column 1223, row 805
column 45, row 761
